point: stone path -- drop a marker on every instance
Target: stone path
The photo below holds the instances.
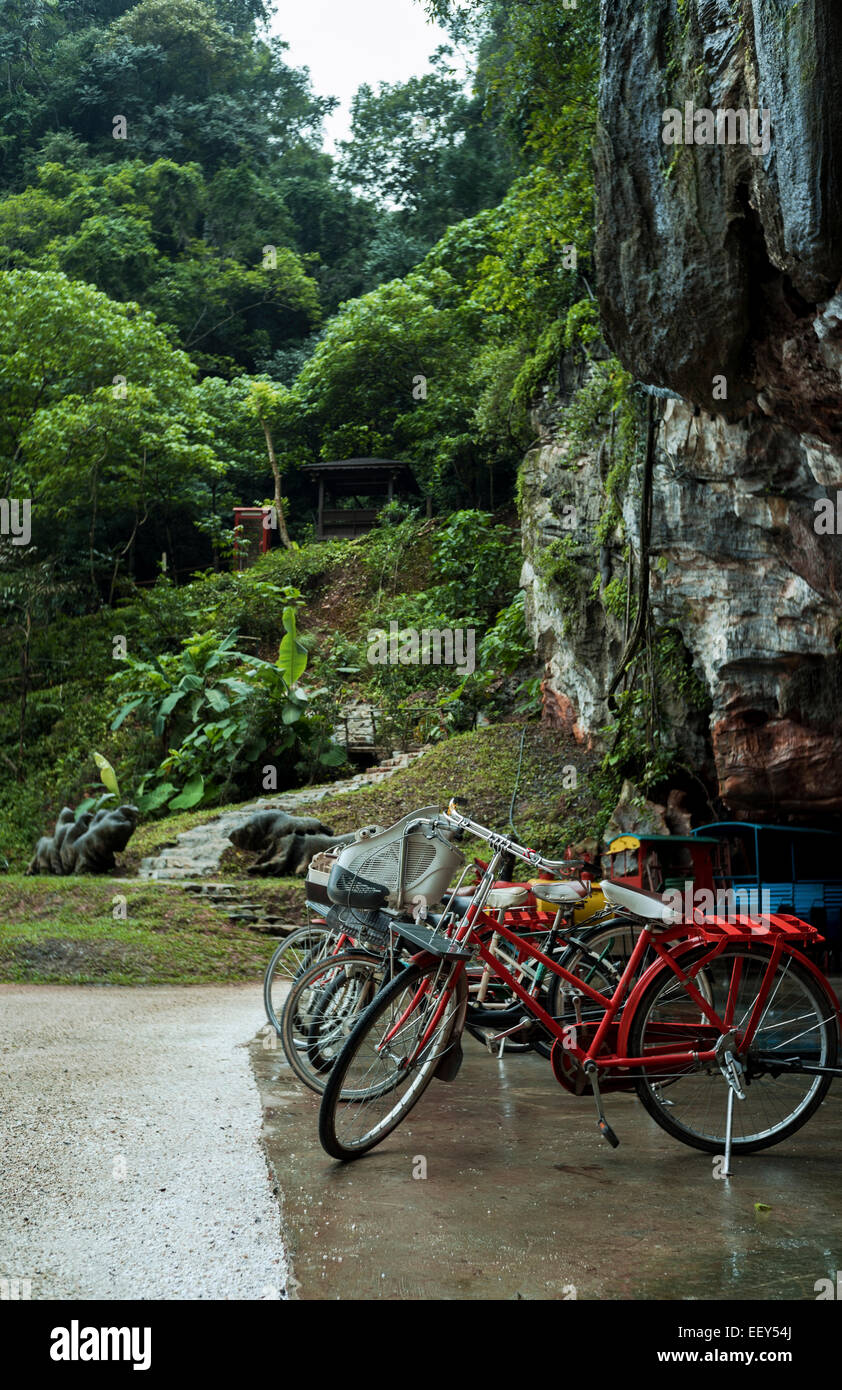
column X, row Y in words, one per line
column 197, row 852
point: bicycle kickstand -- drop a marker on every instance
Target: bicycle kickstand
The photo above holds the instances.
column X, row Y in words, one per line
column 733, row 1073
column 591, row 1071
column 501, row 1037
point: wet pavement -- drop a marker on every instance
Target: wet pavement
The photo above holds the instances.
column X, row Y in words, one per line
column 130, row 1157
column 523, row 1199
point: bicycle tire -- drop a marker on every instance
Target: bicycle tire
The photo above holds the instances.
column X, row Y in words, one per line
column 314, row 1020
column 347, row 1109
column 683, row 1113
column 298, row 950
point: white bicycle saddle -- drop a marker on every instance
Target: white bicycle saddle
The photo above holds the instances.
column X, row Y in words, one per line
column 646, row 905
column 506, row 897
column 568, row 891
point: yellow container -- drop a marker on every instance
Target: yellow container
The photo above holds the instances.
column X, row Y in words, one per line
column 593, row 903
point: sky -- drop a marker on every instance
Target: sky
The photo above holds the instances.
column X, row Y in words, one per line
column 347, row 42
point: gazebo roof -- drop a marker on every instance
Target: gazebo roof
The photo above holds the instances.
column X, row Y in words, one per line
column 359, row 466
column 351, row 474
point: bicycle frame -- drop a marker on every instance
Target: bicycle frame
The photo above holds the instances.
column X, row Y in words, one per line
column 476, row 927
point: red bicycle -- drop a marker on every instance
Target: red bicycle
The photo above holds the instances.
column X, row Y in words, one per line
column 730, row 1037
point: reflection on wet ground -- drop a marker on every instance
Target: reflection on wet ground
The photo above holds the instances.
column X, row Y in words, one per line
column 523, row 1199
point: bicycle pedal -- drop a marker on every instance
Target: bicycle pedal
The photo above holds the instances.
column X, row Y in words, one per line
column 607, row 1133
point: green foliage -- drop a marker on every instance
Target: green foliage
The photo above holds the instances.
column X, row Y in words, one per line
column 477, row 565
column 135, row 231
column 506, row 645
column 191, row 84
column 615, row 597
column 79, row 437
column 505, row 649
column 107, row 775
column 675, row 668
column 560, row 564
column 636, row 752
column 214, row 710
column 118, row 267
column 422, row 147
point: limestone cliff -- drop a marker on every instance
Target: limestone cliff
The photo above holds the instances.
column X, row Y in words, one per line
column 718, row 272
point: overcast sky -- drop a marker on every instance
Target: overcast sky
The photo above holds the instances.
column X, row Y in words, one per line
column 347, row 42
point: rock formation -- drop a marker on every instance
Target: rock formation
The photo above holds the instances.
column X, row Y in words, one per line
column 87, row 845
column 285, row 844
column 718, row 274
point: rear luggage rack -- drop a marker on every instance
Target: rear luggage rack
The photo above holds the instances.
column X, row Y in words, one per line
column 759, row 927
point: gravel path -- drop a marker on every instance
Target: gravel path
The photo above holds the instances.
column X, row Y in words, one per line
column 130, row 1161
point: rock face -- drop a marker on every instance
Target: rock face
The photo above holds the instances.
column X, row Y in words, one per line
column 711, row 257
column 578, row 642
column 719, row 271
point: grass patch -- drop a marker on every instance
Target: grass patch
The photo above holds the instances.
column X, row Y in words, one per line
column 480, row 767
column 62, row 931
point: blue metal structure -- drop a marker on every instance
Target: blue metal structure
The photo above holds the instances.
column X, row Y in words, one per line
column 799, row 868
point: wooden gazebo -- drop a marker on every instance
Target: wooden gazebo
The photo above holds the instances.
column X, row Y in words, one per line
column 356, row 480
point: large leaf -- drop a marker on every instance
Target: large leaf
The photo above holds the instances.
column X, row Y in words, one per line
column 126, row 710
column 333, row 756
column 192, row 794
column 292, row 656
column 218, row 701
column 237, row 686
column 108, row 776
column 168, row 705
column 150, row 801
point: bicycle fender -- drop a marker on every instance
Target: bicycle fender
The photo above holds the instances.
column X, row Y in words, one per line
column 451, row 1061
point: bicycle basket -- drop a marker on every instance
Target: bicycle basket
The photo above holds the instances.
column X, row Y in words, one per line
column 369, row 929
column 318, row 873
column 315, row 884
column 367, row 866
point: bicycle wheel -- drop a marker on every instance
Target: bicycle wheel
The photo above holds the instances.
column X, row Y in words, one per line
column 294, row 954
column 391, row 1057
column 322, row 1007
column 689, row 1100
column 597, row 955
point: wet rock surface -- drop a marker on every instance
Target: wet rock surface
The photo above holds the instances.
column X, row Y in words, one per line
column 523, row 1199
column 690, row 235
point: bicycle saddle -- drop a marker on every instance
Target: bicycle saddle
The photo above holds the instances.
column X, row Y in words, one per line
column 568, row 891
column 506, row 897
column 646, row 905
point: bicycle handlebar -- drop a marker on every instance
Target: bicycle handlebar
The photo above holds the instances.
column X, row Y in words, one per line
column 501, row 842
